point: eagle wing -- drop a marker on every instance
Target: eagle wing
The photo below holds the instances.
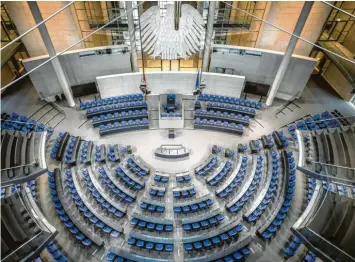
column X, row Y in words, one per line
column 191, row 28
column 150, row 26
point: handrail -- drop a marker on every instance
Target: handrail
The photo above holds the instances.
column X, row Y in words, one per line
column 65, row 50
column 338, row 8
column 343, row 167
column 12, row 167
column 28, row 241
column 288, row 102
column 36, row 26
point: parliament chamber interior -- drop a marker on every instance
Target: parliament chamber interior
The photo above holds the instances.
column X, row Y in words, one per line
column 158, row 131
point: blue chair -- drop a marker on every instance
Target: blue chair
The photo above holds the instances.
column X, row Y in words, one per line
column 197, row 245
column 86, row 242
column 149, row 245
column 159, row 247
column 168, row 248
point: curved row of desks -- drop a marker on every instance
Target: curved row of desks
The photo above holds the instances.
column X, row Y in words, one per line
column 230, row 179
column 245, row 186
column 112, row 223
column 103, row 193
column 280, row 200
column 263, row 192
column 73, row 213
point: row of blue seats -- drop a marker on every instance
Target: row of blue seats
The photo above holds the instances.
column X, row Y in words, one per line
column 343, row 191
column 230, row 100
column 122, row 114
column 258, row 145
column 243, row 148
column 270, row 141
column 116, row 191
column 171, row 114
column 317, row 122
column 163, row 179
column 292, row 247
column 214, row 241
column 63, row 215
column 171, row 105
column 184, row 193
column 125, row 124
column 284, row 140
column 69, row 151
column 56, row 146
column 160, row 247
column 309, row 257
column 311, row 184
column 236, row 256
column 18, row 122
column 100, row 200
column 183, row 179
column 151, row 226
column 84, row 156
column 237, row 180
column 12, row 189
column 127, row 180
column 32, row 186
column 111, row 100
column 193, row 207
column 56, row 254
column 100, row 153
column 238, row 205
column 322, row 121
column 136, row 168
column 152, row 208
column 126, row 106
column 212, row 122
column 218, row 113
column 290, row 189
column 339, row 189
column 269, row 193
column 222, row 174
column 203, row 224
column 110, row 256
column 222, row 106
column 209, row 166
column 112, row 155
column 156, row 193
column 85, row 210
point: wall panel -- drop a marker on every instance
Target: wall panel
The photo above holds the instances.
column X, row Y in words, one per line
column 263, row 69
column 170, row 82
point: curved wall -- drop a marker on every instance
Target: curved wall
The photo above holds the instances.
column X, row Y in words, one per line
column 170, row 82
column 112, row 72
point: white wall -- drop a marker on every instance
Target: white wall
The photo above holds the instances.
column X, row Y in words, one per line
column 170, row 82
column 78, row 69
column 263, row 69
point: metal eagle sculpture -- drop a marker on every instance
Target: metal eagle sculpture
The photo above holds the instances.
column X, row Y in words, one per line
column 160, row 39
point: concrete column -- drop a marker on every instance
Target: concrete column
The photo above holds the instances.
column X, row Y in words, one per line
column 208, row 37
column 51, row 52
column 132, row 36
column 288, row 54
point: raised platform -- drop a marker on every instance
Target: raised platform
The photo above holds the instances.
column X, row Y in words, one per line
column 172, row 151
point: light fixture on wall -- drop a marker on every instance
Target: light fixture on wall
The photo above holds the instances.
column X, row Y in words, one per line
column 160, row 37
